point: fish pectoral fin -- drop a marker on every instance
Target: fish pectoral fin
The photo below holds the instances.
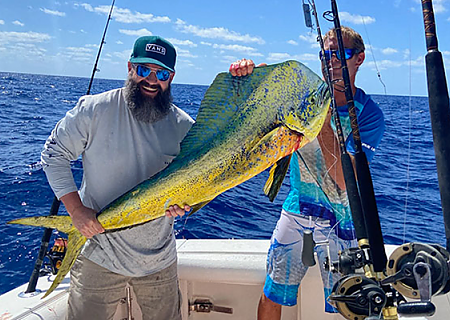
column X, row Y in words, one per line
column 198, row 206
column 276, row 177
column 74, row 245
column 269, row 137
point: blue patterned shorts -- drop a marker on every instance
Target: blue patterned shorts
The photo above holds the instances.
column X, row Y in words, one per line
column 285, row 269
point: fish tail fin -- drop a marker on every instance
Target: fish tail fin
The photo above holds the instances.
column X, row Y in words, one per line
column 74, row 245
column 61, row 223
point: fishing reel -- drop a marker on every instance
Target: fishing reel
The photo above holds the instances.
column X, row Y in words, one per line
column 358, row 297
column 351, row 260
column 414, row 270
column 55, row 257
column 419, row 271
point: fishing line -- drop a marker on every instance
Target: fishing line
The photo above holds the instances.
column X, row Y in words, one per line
column 326, row 71
column 327, row 76
column 337, row 244
column 373, row 56
column 332, row 152
column 408, row 162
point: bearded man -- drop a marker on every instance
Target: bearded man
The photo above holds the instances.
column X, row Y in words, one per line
column 124, row 136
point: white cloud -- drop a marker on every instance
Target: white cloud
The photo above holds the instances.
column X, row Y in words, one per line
column 389, row 64
column 389, row 51
column 383, row 64
column 139, row 33
column 26, row 37
column 438, row 6
column 18, row 23
column 123, row 55
column 310, row 38
column 177, row 42
column 307, row 57
column 229, row 58
column 275, row 57
column 278, row 57
column 79, row 54
column 406, row 54
column 355, row 18
column 125, row 15
column 86, row 6
column 185, row 63
column 53, row 12
column 80, row 50
column 119, row 42
column 237, row 48
column 294, row 43
column 418, row 62
column 28, row 51
column 206, row 43
column 185, row 53
column 2, row 21
column 216, row 33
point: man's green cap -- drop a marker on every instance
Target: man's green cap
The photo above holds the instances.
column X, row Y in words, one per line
column 155, row 50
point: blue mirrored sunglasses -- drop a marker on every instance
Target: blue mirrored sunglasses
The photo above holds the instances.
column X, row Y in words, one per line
column 348, row 53
column 143, row 71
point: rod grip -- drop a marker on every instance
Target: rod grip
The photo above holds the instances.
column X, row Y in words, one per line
column 308, row 248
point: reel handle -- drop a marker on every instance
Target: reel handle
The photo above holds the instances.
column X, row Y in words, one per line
column 420, row 308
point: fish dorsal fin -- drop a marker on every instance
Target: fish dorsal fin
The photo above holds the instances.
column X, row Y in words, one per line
column 276, row 177
column 223, row 100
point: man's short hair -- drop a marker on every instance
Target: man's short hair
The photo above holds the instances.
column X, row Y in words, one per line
column 350, row 34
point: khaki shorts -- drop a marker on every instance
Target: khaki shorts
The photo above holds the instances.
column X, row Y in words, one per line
column 95, row 292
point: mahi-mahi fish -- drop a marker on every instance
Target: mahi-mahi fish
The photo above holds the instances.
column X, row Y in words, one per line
column 244, row 126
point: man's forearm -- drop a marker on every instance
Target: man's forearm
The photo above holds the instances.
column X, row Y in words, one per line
column 72, row 202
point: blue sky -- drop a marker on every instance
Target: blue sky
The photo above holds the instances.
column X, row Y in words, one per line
column 62, row 37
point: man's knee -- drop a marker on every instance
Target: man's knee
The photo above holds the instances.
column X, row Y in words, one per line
column 267, row 309
column 267, row 301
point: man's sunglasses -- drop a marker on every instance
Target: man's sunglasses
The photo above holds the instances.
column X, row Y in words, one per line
column 349, row 53
column 144, row 72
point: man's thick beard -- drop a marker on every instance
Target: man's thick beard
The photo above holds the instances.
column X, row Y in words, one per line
column 147, row 109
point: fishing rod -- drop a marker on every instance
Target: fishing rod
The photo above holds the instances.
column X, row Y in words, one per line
column 100, row 48
column 365, row 184
column 381, row 299
column 31, row 288
column 347, row 167
column 349, row 174
column 438, row 101
column 414, row 270
column 353, row 258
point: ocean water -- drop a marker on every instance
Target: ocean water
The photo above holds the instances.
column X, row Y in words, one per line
column 403, row 172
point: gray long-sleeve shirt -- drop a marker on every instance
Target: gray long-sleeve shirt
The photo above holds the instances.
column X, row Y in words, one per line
column 118, row 152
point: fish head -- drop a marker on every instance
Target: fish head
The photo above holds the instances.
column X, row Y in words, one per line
column 307, row 111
